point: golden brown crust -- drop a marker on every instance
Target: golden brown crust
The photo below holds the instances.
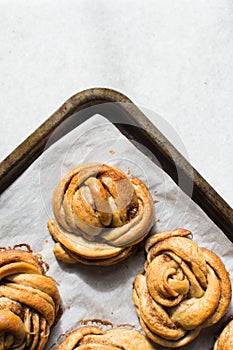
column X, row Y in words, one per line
column 29, row 301
column 225, row 339
column 184, row 289
column 89, row 337
column 99, row 215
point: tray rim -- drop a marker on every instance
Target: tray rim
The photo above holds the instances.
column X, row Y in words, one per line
column 203, row 193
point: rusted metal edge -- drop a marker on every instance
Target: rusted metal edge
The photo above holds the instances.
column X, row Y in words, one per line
column 136, row 126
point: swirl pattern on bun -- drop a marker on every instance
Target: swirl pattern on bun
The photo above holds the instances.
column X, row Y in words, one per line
column 184, row 289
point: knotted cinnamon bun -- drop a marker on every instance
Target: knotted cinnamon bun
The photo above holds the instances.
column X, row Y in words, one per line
column 184, row 289
column 89, row 337
column 225, row 339
column 100, row 214
column 29, row 301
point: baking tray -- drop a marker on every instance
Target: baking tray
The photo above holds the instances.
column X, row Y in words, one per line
column 132, row 122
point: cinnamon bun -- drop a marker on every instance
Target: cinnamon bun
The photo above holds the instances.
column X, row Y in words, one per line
column 29, row 301
column 184, row 289
column 90, row 337
column 100, row 215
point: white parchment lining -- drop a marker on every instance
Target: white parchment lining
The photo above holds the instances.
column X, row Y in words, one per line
column 101, row 292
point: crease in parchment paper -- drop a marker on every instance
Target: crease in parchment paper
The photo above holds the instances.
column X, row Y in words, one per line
column 101, row 292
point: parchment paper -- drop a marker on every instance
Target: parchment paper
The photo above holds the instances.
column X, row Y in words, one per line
column 101, row 292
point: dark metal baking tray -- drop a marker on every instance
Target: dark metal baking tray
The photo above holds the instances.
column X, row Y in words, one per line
column 130, row 120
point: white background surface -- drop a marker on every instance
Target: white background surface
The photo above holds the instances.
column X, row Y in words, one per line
column 175, row 58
